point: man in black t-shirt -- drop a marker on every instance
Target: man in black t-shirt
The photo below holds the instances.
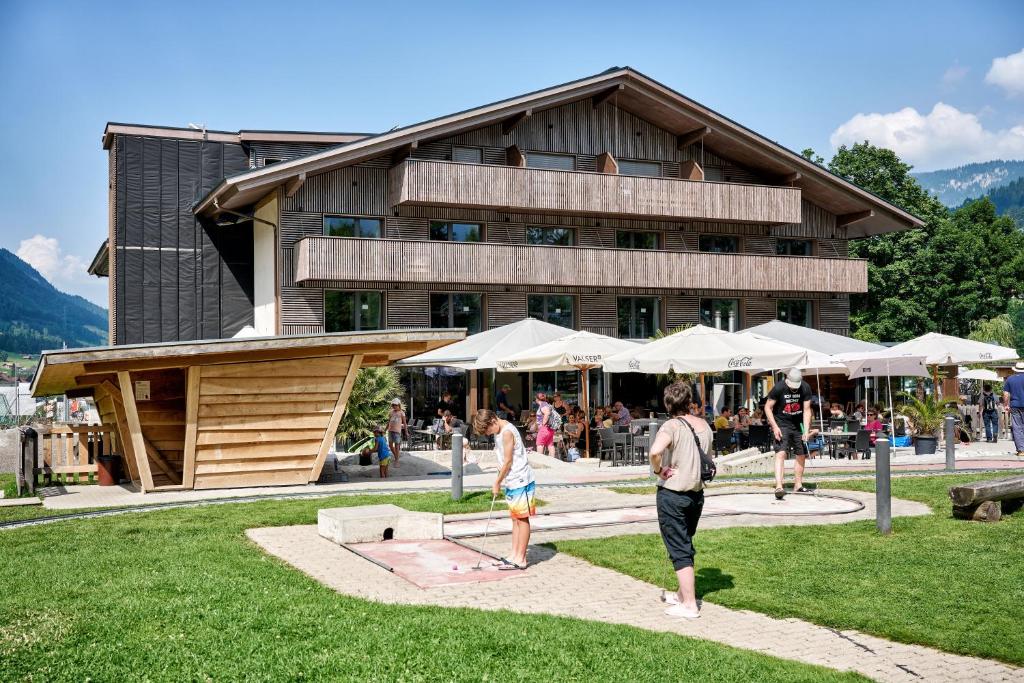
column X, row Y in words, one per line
column 788, row 409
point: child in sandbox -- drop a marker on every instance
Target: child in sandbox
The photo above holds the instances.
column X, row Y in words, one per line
column 384, row 451
column 517, row 476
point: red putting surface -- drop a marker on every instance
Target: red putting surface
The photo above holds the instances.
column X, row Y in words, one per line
column 428, row 564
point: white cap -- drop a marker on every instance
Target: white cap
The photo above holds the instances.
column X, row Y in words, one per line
column 1018, row 367
column 794, row 378
column 396, row 401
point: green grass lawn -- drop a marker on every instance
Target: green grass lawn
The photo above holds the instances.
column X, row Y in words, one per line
column 954, row 585
column 183, row 595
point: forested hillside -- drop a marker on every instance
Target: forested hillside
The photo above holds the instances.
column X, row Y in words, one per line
column 1009, row 200
column 954, row 186
column 35, row 315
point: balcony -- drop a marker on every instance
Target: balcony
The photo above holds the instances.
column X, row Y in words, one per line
column 488, row 265
column 417, row 182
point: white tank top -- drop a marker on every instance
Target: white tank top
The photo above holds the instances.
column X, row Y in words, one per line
column 521, row 473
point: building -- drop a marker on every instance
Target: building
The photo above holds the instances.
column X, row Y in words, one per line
column 611, row 204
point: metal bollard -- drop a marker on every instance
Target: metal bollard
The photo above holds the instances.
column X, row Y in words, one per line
column 652, row 434
column 883, row 487
column 457, row 440
column 950, row 445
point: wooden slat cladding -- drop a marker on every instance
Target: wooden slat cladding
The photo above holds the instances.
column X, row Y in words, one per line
column 757, row 311
column 599, row 313
column 409, row 309
column 504, row 308
column 508, row 233
column 439, row 183
column 399, row 261
column 301, row 306
column 356, row 189
column 408, row 228
column 264, row 422
column 261, row 150
column 834, row 313
column 297, row 224
column 682, row 310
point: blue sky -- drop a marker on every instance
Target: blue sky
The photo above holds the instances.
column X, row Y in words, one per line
column 807, row 74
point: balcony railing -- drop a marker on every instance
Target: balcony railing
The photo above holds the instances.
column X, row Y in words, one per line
column 519, row 265
column 514, row 188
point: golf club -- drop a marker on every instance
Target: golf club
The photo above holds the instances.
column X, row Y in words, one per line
column 487, row 527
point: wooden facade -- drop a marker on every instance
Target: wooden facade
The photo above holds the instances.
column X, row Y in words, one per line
column 475, row 186
column 226, row 413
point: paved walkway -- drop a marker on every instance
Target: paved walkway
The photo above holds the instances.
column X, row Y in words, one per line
column 625, row 600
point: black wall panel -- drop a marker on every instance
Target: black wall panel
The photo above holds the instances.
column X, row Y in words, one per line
column 176, row 278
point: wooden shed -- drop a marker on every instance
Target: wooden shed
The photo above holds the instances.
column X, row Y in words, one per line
column 230, row 412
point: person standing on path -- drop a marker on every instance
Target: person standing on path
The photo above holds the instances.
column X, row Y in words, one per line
column 1013, row 399
column 397, row 426
column 989, row 413
column 545, row 432
column 515, row 477
column 787, row 409
column 675, row 458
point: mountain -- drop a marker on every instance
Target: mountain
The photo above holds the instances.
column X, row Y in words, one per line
column 954, row 185
column 35, row 315
column 1009, row 200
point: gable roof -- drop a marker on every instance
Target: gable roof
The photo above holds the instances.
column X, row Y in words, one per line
column 237, row 137
column 636, row 93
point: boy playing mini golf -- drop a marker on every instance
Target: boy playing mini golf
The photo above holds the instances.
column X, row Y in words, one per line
column 384, row 451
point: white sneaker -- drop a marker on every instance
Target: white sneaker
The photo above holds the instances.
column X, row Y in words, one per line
column 670, row 597
column 684, row 612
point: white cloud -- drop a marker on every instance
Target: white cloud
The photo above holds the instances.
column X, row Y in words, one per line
column 954, row 75
column 66, row 272
column 1008, row 73
column 942, row 138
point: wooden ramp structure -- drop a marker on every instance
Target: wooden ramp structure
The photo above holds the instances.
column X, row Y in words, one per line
column 226, row 413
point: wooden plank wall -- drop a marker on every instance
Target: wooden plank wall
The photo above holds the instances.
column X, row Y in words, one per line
column 263, row 423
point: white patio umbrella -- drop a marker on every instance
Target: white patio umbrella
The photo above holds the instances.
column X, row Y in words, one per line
column 481, row 351
column 943, row 349
column 706, row 349
column 581, row 351
column 888, row 362
column 817, row 362
column 983, row 374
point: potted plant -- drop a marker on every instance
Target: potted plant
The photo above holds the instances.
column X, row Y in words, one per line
column 926, row 416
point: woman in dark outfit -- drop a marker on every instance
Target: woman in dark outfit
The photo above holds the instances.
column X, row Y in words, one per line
column 675, row 458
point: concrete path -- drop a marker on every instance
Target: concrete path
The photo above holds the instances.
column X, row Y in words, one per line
column 625, row 600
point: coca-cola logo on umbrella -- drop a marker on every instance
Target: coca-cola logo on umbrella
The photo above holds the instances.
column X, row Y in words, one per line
column 741, row 362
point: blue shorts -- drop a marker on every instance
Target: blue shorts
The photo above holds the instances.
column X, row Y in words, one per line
column 521, row 502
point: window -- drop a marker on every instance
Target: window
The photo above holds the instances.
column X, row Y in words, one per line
column 560, row 237
column 351, row 226
column 794, row 247
column 562, row 162
column 625, row 239
column 267, row 161
column 468, row 155
column 457, row 310
column 722, row 314
column 718, row 244
column 638, row 316
column 648, row 168
column 456, row 232
column 553, row 308
column 796, row 312
column 351, row 311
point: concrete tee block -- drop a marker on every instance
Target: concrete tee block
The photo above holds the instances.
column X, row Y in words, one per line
column 369, row 524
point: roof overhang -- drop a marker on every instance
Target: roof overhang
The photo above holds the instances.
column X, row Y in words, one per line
column 100, row 265
column 861, row 212
column 236, row 137
column 75, row 369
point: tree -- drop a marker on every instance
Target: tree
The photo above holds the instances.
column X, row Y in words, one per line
column 369, row 402
column 1006, row 329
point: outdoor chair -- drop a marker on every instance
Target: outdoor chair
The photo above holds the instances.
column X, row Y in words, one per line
column 863, row 443
column 836, row 424
column 758, row 437
column 611, row 445
column 852, row 425
column 722, row 441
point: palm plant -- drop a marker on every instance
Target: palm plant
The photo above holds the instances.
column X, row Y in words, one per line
column 369, row 403
column 927, row 414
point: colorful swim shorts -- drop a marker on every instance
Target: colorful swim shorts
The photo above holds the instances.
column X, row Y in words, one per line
column 521, row 503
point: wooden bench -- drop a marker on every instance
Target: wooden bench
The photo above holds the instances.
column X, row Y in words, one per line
column 987, row 501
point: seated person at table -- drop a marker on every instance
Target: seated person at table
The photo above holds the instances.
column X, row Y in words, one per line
column 560, row 406
column 724, row 419
column 620, row 415
column 757, row 418
column 874, row 426
column 858, row 412
column 741, row 425
column 445, row 403
column 449, row 423
column 695, row 409
column 836, row 412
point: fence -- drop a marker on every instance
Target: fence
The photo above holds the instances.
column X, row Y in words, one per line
column 70, row 451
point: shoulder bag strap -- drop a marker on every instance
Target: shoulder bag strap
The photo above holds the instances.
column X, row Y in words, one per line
column 700, row 449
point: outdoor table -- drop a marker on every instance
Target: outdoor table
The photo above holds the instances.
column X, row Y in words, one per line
column 834, row 438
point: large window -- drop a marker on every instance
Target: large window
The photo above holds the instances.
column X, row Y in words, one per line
column 562, row 162
column 560, row 237
column 628, row 239
column 638, row 316
column 450, row 231
column 794, row 247
column 796, row 312
column 457, row 310
column 719, row 244
column 553, row 308
column 648, row 168
column 722, row 314
column 352, row 226
column 351, row 311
